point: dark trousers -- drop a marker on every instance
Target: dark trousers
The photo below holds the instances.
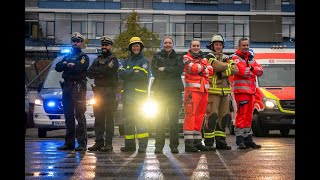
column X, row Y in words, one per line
column 170, row 104
column 135, row 126
column 74, row 107
column 104, row 110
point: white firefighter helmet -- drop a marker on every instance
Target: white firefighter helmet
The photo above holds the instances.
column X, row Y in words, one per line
column 215, row 38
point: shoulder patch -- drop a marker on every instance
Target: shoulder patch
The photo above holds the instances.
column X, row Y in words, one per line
column 83, row 59
column 145, row 65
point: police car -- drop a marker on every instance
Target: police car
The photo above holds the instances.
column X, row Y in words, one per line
column 48, row 110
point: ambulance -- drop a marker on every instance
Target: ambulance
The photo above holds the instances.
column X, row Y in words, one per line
column 274, row 107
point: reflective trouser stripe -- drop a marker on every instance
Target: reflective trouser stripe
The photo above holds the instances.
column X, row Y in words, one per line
column 129, row 136
column 187, row 134
column 220, row 133
column 197, row 135
column 209, row 135
column 143, row 135
column 140, row 90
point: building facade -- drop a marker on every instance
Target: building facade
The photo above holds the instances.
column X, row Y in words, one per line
column 267, row 23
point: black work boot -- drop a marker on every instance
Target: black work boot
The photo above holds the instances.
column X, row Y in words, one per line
column 248, row 141
column 208, row 142
column 221, row 143
column 65, row 147
column 240, row 142
column 189, row 146
column 198, row 144
column 107, row 148
column 143, row 143
column 81, row 147
column 96, row 147
column 174, row 150
column 130, row 145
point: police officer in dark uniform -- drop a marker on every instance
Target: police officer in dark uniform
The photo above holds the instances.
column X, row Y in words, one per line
column 74, row 67
column 134, row 73
column 104, row 72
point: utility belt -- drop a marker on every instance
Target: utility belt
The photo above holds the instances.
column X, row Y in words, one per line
column 71, row 83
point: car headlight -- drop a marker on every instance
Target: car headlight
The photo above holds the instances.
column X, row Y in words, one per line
column 91, row 101
column 270, row 103
column 38, row 102
column 150, row 108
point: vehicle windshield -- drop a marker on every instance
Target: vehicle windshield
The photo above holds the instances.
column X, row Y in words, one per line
column 53, row 78
column 280, row 75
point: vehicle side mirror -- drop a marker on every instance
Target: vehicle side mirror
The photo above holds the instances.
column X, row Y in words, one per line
column 40, row 84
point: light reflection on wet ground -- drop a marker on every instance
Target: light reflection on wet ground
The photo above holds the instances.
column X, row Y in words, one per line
column 276, row 160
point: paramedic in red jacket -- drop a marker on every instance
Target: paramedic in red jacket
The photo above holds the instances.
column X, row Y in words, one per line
column 196, row 71
column 244, row 88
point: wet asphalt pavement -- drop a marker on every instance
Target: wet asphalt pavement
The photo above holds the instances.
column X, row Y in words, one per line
column 275, row 160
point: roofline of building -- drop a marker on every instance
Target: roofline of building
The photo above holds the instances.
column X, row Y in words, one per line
column 179, row 50
column 150, row 11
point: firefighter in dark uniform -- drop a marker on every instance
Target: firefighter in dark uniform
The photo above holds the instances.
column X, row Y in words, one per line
column 74, row 67
column 167, row 67
column 134, row 73
column 104, row 72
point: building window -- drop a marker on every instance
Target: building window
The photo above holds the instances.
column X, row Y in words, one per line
column 78, row 26
column 31, row 30
column 285, row 2
column 136, row 4
column 50, row 30
column 179, row 35
column 197, row 30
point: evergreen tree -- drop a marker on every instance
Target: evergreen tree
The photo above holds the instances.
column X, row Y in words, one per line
column 150, row 40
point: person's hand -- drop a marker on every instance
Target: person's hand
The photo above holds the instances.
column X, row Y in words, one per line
column 70, row 64
column 204, row 62
column 161, row 68
column 64, row 62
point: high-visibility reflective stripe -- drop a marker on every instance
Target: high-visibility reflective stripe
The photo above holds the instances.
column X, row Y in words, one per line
column 122, row 91
column 121, row 69
column 129, row 136
column 242, row 81
column 187, row 134
column 219, row 134
column 140, row 90
column 189, row 67
column 207, row 72
column 199, row 68
column 241, row 87
column 128, row 67
column 140, row 68
column 210, row 60
column 209, row 135
column 143, row 135
column 197, row 85
column 206, row 86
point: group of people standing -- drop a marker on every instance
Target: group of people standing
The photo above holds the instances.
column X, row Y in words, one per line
column 207, row 86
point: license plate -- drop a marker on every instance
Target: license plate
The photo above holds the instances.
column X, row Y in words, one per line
column 293, row 121
column 59, row 123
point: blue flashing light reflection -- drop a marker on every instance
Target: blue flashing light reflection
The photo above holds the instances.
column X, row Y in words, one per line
column 65, row 50
column 51, row 104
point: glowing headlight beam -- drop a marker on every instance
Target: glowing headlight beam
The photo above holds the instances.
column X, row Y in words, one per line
column 150, row 108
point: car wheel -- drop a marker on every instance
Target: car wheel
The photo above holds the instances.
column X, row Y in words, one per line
column 257, row 128
column 42, row 133
column 284, row 132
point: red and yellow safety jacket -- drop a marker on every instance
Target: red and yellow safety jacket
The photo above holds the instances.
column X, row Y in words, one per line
column 196, row 71
column 249, row 69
